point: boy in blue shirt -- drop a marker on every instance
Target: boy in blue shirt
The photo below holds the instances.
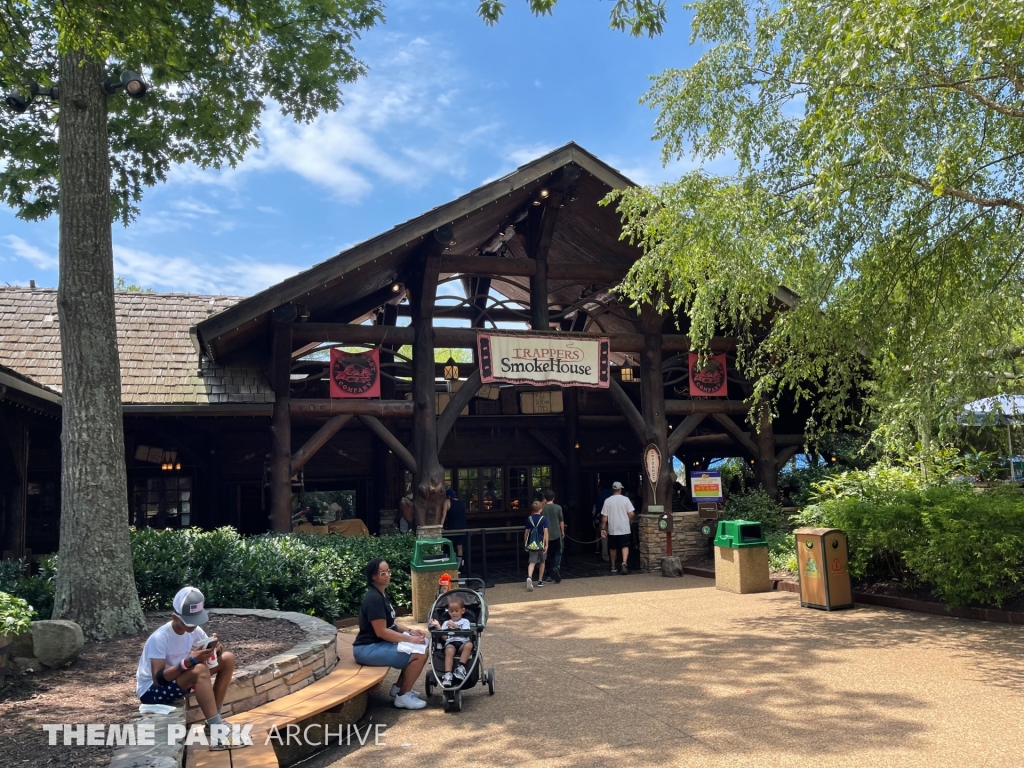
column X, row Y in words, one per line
column 535, row 539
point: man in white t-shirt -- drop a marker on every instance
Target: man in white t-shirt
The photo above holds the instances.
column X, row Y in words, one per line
column 616, row 515
column 171, row 665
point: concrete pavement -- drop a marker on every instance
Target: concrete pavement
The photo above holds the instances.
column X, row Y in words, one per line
column 643, row 670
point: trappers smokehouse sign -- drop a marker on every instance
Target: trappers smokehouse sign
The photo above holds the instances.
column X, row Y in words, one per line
column 543, row 360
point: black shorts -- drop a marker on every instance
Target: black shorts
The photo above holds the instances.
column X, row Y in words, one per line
column 619, row 540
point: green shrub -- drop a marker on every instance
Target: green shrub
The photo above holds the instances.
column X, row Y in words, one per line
column 318, row 575
column 757, row 506
column 36, row 590
column 968, row 546
column 15, row 615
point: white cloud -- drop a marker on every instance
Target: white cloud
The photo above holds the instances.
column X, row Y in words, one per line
column 193, row 208
column 401, row 124
column 36, row 256
column 186, row 274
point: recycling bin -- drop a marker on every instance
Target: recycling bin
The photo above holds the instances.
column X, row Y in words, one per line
column 823, row 558
column 430, row 558
column 741, row 557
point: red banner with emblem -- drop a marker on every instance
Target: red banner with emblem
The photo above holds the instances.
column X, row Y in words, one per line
column 711, row 380
column 355, row 374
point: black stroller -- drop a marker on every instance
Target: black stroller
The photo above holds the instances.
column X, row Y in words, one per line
column 476, row 614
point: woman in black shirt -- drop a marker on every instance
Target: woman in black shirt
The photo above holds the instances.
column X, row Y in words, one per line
column 376, row 645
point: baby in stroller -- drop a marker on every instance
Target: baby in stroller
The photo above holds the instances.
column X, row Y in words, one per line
column 455, row 644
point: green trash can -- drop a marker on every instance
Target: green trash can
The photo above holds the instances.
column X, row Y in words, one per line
column 741, row 557
column 430, row 559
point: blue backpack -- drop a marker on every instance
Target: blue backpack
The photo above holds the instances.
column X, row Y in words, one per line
column 535, row 543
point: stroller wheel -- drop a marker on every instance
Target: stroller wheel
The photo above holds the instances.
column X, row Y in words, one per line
column 490, row 681
column 449, row 702
column 427, row 686
column 458, row 700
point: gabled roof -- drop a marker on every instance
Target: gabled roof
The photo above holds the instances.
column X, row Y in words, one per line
column 585, row 233
column 159, row 359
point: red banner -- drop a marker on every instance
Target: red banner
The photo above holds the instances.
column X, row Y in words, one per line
column 711, row 380
column 355, row 374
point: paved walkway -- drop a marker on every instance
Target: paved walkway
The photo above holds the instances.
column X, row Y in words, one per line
column 643, row 670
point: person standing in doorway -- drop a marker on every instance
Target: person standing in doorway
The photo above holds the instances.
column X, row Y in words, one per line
column 455, row 520
column 616, row 515
column 556, row 531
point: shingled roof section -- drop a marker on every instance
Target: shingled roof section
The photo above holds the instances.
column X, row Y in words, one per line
column 159, row 363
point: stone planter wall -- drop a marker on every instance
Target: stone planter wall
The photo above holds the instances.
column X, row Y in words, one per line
column 269, row 680
column 687, row 540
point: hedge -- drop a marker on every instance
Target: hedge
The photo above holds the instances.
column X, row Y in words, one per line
column 317, row 575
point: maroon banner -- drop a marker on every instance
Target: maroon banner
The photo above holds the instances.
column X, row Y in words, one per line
column 355, row 374
column 711, row 380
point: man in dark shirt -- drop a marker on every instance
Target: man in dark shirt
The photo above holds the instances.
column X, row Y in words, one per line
column 455, row 519
column 556, row 529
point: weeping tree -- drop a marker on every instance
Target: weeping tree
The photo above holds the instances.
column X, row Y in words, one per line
column 102, row 100
column 878, row 156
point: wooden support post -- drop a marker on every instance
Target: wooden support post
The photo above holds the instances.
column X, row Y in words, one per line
column 626, row 407
column 319, row 440
column 15, row 495
column 652, row 403
column 741, row 437
column 458, row 401
column 549, row 445
column 572, row 451
column 428, row 482
column 388, row 438
column 766, row 469
column 684, row 430
column 540, row 231
column 281, row 426
column 387, row 318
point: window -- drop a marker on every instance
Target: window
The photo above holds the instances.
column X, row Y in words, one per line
column 163, row 502
column 482, row 489
column 526, row 485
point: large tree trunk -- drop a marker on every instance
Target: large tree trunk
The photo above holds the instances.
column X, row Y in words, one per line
column 766, row 468
column 95, row 582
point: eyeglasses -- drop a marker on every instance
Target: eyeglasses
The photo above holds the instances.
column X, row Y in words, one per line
column 383, row 573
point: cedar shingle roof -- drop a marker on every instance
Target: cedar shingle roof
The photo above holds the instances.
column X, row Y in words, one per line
column 158, row 359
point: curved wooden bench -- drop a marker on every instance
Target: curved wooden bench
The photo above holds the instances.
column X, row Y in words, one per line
column 347, row 681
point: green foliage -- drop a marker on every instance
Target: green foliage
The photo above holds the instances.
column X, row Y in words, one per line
column 120, row 284
column 319, row 575
column 878, row 148
column 969, row 546
column 15, row 615
column 36, row 590
column 760, row 507
column 638, row 17
column 212, row 67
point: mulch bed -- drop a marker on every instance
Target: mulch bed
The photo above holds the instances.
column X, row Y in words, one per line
column 99, row 687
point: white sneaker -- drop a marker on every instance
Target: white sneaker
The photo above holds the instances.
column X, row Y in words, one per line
column 408, row 701
column 460, row 672
column 395, row 689
column 446, row 680
column 529, row 585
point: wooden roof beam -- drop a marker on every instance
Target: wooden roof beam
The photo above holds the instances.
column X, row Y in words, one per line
column 465, row 338
column 505, row 267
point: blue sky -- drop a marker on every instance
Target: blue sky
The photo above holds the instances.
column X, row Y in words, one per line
column 448, row 104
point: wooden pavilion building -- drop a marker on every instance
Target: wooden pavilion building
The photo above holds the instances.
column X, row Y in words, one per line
column 228, row 418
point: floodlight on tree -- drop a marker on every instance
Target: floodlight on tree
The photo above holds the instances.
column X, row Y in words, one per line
column 132, row 83
column 19, row 102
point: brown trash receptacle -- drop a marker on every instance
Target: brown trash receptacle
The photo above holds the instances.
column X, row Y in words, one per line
column 823, row 558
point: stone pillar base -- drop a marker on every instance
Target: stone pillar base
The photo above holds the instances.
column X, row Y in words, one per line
column 687, row 540
column 743, row 570
column 424, row 591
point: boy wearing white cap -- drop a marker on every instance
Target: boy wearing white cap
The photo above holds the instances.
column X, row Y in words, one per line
column 616, row 515
column 175, row 661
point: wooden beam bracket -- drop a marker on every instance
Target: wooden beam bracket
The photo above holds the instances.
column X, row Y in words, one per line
column 737, row 433
column 387, row 437
column 684, row 430
column 458, row 401
column 553, row 449
column 318, row 440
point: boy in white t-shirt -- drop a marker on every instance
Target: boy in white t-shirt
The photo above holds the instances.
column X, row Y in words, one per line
column 453, row 644
column 172, row 664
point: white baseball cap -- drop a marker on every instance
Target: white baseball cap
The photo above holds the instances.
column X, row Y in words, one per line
column 189, row 606
column 616, row 486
